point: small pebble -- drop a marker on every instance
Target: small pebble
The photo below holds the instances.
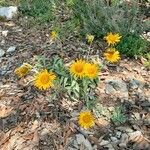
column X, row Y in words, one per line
column 118, row 134
column 11, row 49
column 2, row 52
column 4, row 33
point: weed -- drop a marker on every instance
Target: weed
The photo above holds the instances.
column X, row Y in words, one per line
column 98, row 18
column 42, row 11
column 118, row 117
column 147, row 62
column 132, row 45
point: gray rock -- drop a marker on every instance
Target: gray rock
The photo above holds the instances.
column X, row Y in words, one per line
column 124, row 145
column 118, row 134
column 2, row 52
column 125, row 129
column 4, row 33
column 3, row 42
column 134, row 84
column 81, row 140
column 3, row 69
column 124, row 140
column 75, row 144
column 8, row 12
column 117, row 87
column 104, row 142
column 11, row 49
column 148, row 34
column 137, row 115
column 110, row 147
column 114, row 139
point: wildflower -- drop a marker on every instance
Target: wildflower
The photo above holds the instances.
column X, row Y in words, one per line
column 91, row 70
column 53, row 35
column 23, row 70
column 44, row 79
column 90, row 38
column 77, row 68
column 112, row 39
column 86, row 119
column 112, row 55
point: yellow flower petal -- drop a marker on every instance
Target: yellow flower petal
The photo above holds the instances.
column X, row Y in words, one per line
column 112, row 55
column 86, row 119
column 91, row 70
column 90, row 38
column 77, row 68
column 23, row 70
column 112, row 39
column 44, row 79
column 53, row 35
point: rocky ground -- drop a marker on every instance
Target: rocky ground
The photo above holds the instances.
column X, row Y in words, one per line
column 29, row 120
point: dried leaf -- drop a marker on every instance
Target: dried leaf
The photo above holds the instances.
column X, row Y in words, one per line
column 36, row 138
column 101, row 122
column 5, row 111
column 28, row 137
column 35, row 125
column 68, row 131
column 140, row 141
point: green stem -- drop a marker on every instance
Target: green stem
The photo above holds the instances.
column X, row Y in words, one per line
column 89, row 50
column 85, row 88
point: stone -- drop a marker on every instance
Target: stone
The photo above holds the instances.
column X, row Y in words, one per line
column 104, row 142
column 2, row 52
column 114, row 139
column 75, row 144
column 8, row 12
column 81, row 140
column 111, row 109
column 117, row 87
column 148, row 34
column 134, row 84
column 4, row 33
column 110, row 147
column 124, row 145
column 11, row 49
column 137, row 115
column 3, row 42
column 118, row 134
column 124, row 140
column 125, row 129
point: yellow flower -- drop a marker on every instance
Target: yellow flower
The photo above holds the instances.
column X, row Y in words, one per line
column 44, row 79
column 90, row 38
column 53, row 35
column 112, row 39
column 23, row 70
column 112, row 55
column 86, row 119
column 91, row 70
column 77, row 68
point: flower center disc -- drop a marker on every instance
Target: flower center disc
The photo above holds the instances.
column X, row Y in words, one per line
column 24, row 70
column 91, row 71
column 86, row 119
column 79, row 68
column 44, row 79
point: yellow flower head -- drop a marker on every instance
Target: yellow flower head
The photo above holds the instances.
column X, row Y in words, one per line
column 91, row 70
column 112, row 55
column 23, row 70
column 86, row 119
column 90, row 38
column 53, row 35
column 112, row 39
column 77, row 68
column 44, row 79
